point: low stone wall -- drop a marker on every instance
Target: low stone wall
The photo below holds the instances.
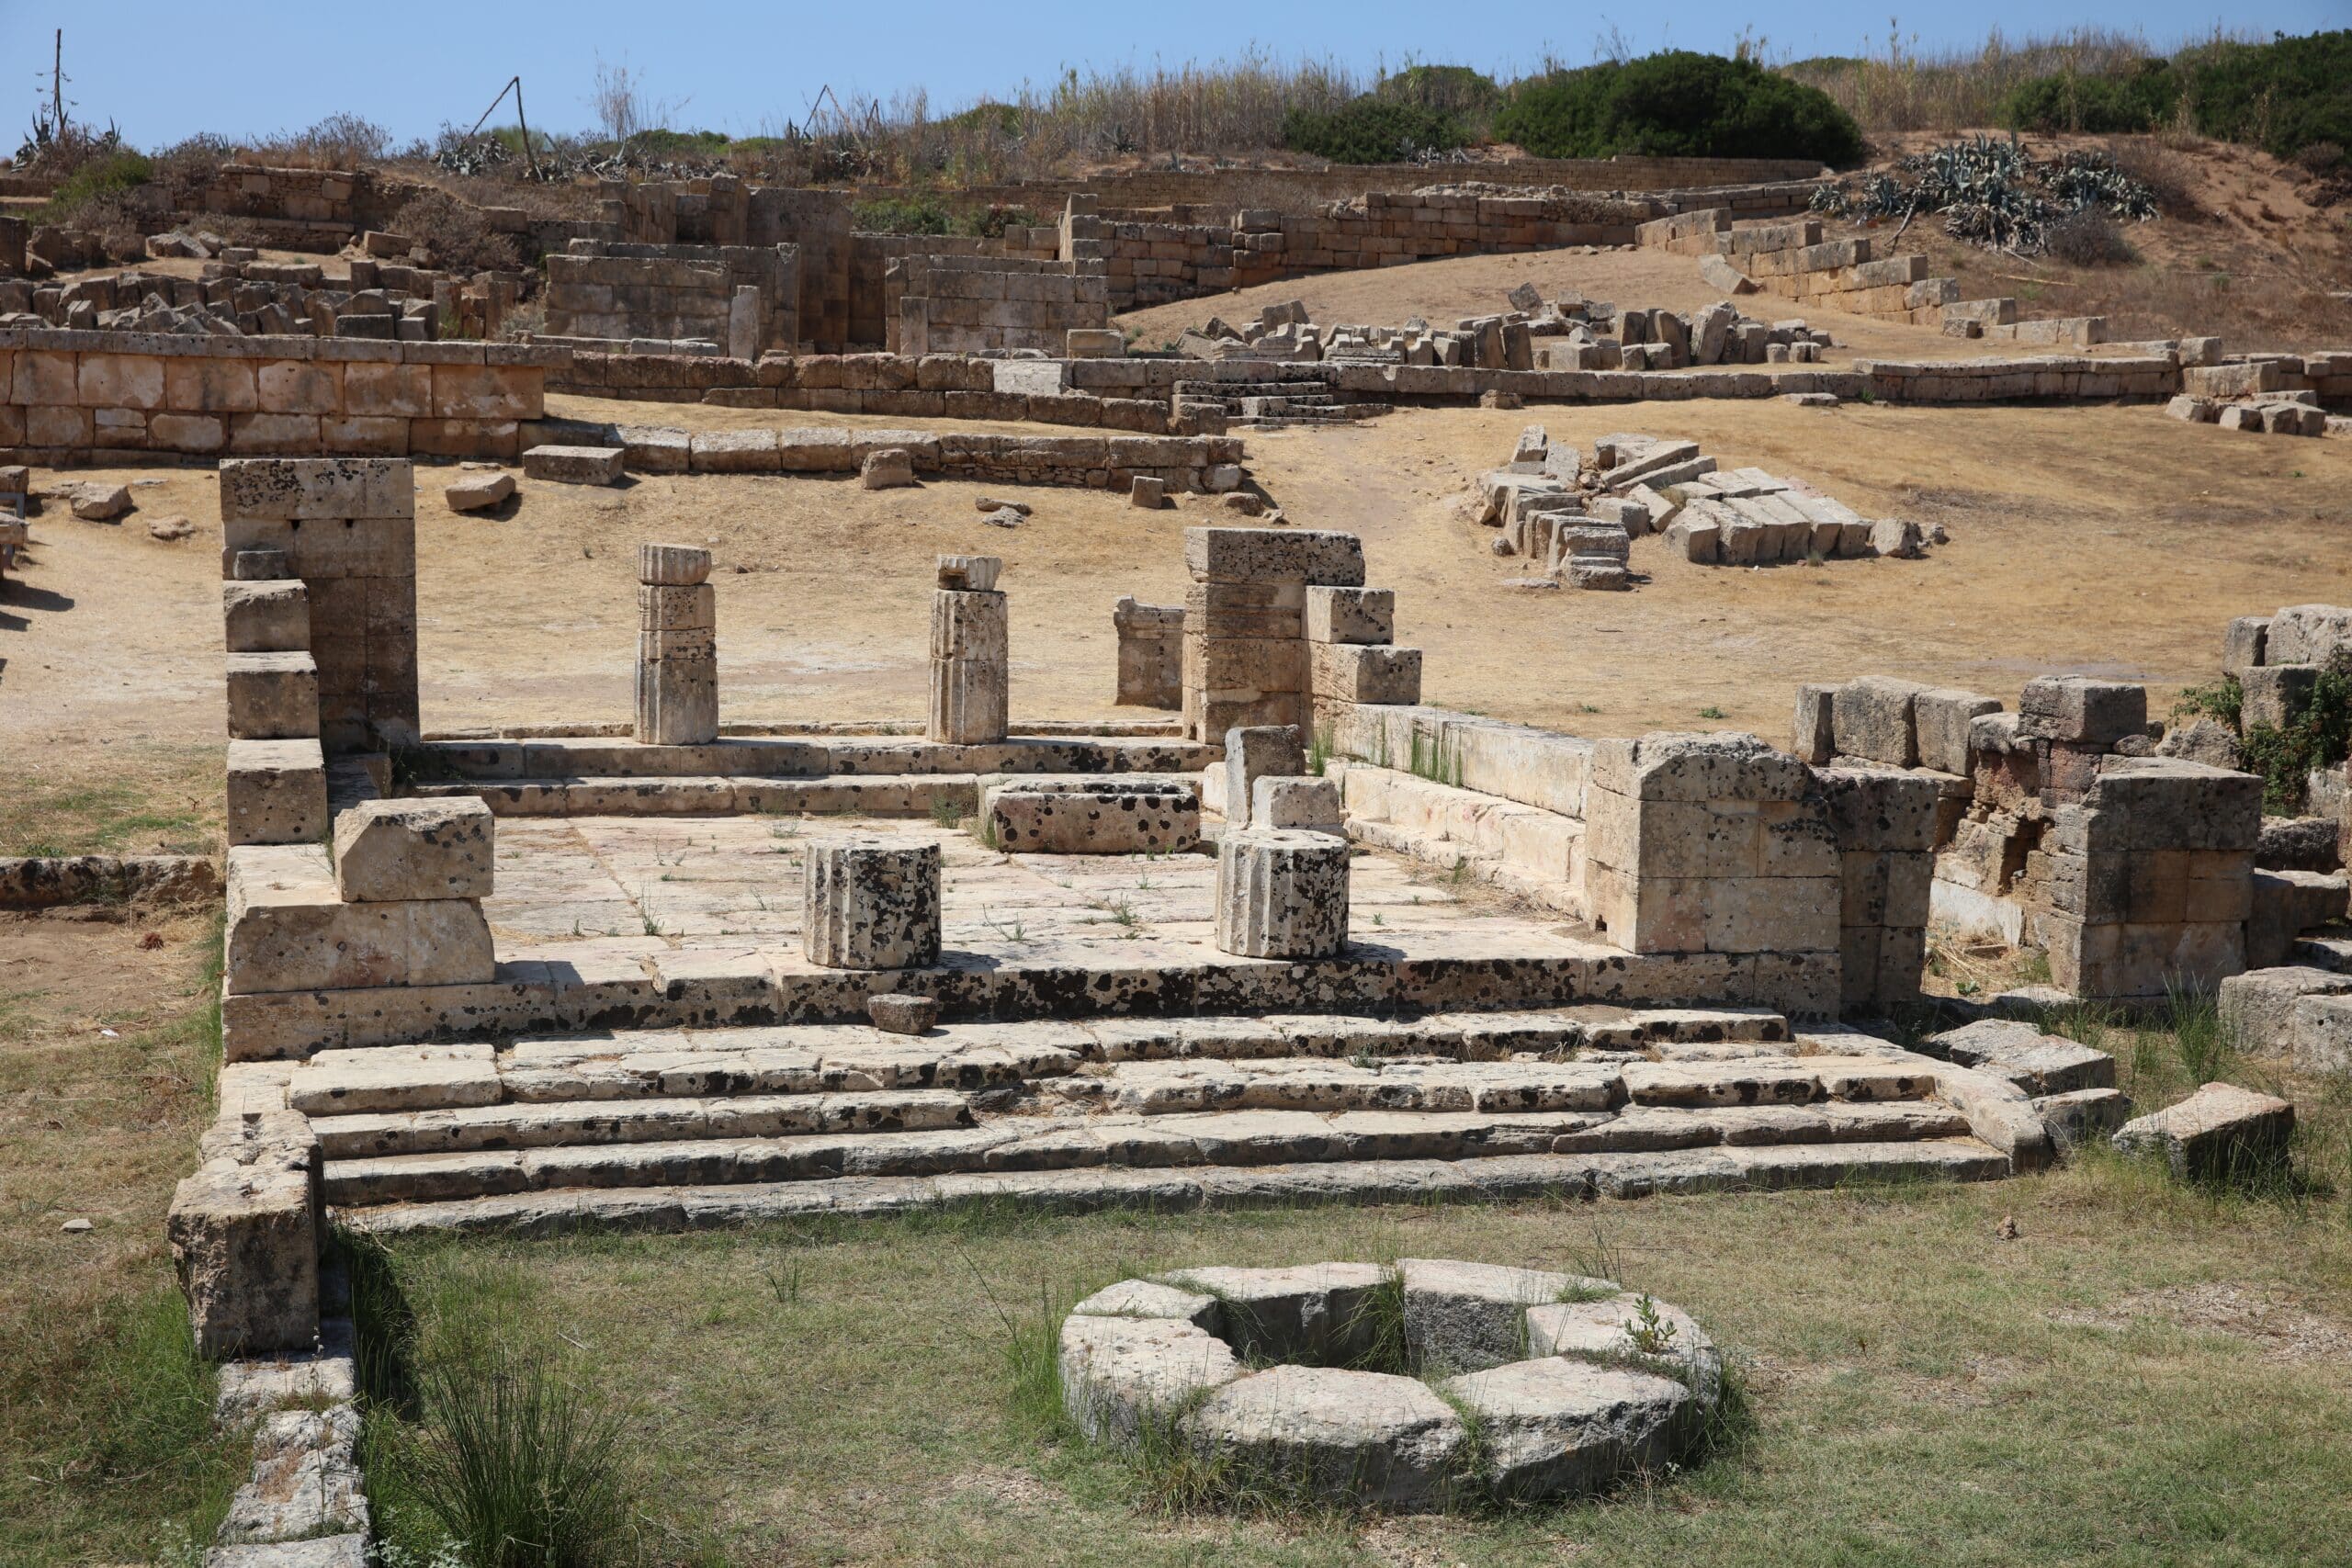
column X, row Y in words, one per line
column 599, row 290
column 2065, row 376
column 1721, row 178
column 43, row 881
column 84, row 397
column 993, row 304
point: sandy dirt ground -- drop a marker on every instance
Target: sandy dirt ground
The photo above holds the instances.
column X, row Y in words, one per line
column 2105, row 539
column 2108, row 539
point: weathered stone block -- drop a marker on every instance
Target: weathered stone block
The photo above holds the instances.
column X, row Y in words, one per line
column 273, row 696
column 2219, row 1132
column 2077, row 709
column 1253, row 752
column 1941, row 718
column 1874, row 717
column 276, row 791
column 970, row 667
column 244, row 1232
column 392, row 850
column 1354, row 673
column 1351, row 615
column 266, row 617
column 1310, row 805
column 1106, row 818
column 871, row 904
column 1813, row 731
column 575, row 465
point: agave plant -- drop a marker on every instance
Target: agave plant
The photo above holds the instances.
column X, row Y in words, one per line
column 1990, row 193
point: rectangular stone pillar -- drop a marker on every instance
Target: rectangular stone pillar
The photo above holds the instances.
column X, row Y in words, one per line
column 1244, row 621
column 970, row 651
column 1151, row 653
column 677, row 646
column 743, row 323
column 2148, row 880
column 346, row 527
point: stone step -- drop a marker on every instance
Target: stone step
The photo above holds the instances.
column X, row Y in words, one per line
column 1500, row 1178
column 645, row 1121
column 856, row 1058
column 1013, row 1142
column 1153, row 1088
column 2325, row 952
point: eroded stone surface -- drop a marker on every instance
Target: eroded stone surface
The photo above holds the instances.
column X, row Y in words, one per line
column 1376, row 1439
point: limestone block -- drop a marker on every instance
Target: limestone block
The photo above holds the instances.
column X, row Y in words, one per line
column 974, row 574
column 1314, row 1312
column 869, row 903
column 665, row 608
column 1109, row 817
column 2165, row 803
column 1310, row 805
column 2243, row 645
column 1942, row 717
column 301, row 489
column 1355, row 673
column 266, row 617
column 970, row 656
column 1879, row 810
column 677, row 695
column 888, row 467
column 2219, row 1132
column 273, row 696
column 2284, row 905
column 1813, row 729
column 674, row 566
column 2078, row 709
column 1254, row 752
column 895, row 1015
column 1876, row 717
column 1255, row 554
column 2275, row 694
column 478, row 492
column 1148, row 492
column 1714, row 766
column 1282, row 894
column 1386, row 1442
column 276, row 791
column 390, row 850
column 576, row 465
column 1119, row 1370
column 2259, row 1007
column 244, row 1232
column 305, row 1484
column 2308, row 634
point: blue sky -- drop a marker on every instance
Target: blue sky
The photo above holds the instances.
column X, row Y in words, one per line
column 162, row 71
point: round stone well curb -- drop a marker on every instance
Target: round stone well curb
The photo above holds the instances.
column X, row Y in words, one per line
column 1533, row 1385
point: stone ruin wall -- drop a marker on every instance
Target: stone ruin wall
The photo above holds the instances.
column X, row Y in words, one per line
column 73, row 397
column 994, row 305
column 599, row 290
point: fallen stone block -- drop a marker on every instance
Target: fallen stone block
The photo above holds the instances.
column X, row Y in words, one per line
column 576, row 465
column 895, row 1015
column 478, row 493
column 2221, row 1133
column 889, row 468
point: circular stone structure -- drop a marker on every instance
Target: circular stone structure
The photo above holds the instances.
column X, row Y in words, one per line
column 1420, row 1386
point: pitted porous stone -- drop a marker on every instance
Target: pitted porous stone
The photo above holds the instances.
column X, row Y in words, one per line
column 1607, row 1327
column 970, row 650
column 1110, row 818
column 1386, row 1441
column 1569, row 1382
column 1318, row 1311
column 1459, row 1316
column 971, row 575
column 1563, row 1427
column 1282, row 894
column 673, row 566
column 2222, row 1131
column 895, row 1015
column 388, row 850
column 1256, row 751
column 305, row 1479
column 871, row 904
column 1119, row 1371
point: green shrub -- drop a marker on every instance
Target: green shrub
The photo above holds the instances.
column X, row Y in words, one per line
column 1677, row 104
column 1468, row 96
column 2317, row 736
column 901, row 215
column 1371, row 130
column 2106, row 105
column 520, row 1467
column 2283, row 96
column 660, row 142
column 101, row 182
